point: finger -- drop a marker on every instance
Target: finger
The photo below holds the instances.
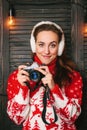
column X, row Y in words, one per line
column 43, row 69
column 23, row 72
column 44, row 81
column 21, row 67
column 22, row 78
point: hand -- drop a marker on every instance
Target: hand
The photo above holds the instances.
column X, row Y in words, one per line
column 22, row 75
column 48, row 78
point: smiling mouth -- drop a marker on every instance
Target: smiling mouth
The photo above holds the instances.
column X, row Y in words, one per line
column 46, row 56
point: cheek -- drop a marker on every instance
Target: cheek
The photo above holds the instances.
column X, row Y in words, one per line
column 55, row 52
column 39, row 50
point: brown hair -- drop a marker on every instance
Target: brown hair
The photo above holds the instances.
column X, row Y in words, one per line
column 47, row 27
column 64, row 69
column 64, row 65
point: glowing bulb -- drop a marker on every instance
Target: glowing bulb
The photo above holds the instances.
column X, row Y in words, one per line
column 11, row 20
column 85, row 28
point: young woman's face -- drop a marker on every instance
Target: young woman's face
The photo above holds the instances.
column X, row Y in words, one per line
column 47, row 46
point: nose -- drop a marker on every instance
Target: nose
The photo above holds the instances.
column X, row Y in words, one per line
column 46, row 51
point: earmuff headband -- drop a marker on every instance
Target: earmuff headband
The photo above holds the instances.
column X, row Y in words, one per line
column 61, row 43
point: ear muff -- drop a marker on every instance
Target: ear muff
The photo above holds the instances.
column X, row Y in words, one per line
column 61, row 46
column 32, row 43
column 61, row 43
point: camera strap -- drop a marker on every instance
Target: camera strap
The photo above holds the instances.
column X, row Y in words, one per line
column 45, row 98
column 34, row 88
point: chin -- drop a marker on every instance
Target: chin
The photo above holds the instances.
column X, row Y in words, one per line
column 45, row 62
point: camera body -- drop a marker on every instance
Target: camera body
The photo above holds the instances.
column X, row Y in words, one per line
column 34, row 75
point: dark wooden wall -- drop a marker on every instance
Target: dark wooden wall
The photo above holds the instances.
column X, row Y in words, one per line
column 85, row 38
column 15, row 48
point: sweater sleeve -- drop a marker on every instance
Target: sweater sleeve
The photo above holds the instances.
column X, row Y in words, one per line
column 18, row 99
column 68, row 100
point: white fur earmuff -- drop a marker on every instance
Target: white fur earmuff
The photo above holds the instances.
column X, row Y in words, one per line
column 61, row 43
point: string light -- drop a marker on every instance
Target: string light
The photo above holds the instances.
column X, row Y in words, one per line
column 11, row 19
column 85, row 23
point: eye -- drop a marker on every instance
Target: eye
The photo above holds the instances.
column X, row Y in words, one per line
column 53, row 44
column 40, row 44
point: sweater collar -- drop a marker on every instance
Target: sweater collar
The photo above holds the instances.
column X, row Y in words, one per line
column 51, row 66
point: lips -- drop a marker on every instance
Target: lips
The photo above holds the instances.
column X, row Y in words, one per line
column 46, row 56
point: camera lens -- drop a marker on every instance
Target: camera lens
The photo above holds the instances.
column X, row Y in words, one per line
column 34, row 75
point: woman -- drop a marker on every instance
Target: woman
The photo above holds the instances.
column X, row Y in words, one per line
column 52, row 102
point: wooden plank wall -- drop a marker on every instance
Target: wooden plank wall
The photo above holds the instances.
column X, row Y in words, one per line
column 15, row 48
column 27, row 16
column 85, row 38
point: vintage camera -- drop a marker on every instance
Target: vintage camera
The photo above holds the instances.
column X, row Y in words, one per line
column 34, row 75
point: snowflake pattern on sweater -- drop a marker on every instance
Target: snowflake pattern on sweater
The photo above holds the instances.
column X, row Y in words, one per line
column 26, row 107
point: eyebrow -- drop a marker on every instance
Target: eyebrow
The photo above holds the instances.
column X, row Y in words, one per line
column 44, row 42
